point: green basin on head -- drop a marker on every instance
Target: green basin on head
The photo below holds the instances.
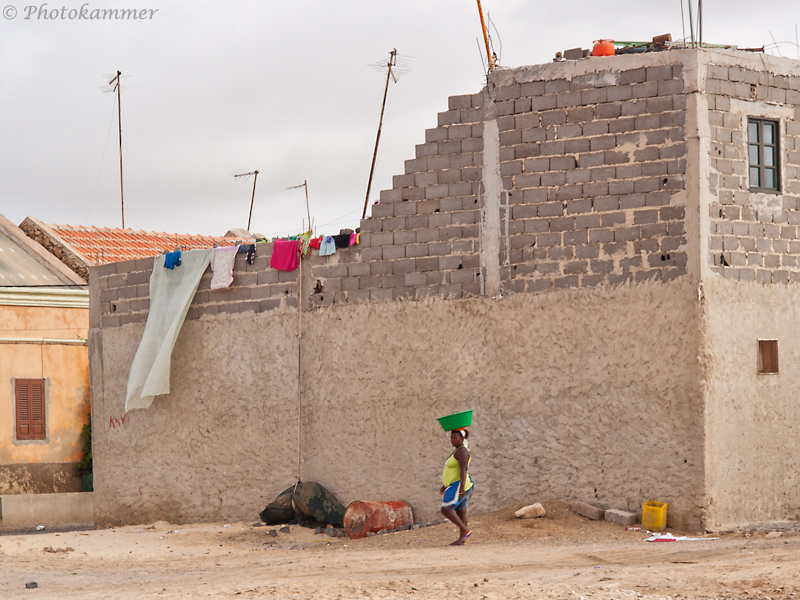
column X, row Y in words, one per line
column 456, row 420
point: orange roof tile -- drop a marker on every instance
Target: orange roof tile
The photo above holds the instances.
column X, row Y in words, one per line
column 101, row 245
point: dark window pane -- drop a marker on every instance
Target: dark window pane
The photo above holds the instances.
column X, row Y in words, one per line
column 753, row 154
column 769, row 137
column 769, row 156
column 752, row 132
column 754, row 179
column 769, row 179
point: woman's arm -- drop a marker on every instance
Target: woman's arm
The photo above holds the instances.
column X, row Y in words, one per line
column 462, row 456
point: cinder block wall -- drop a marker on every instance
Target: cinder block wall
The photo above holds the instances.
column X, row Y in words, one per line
column 751, row 291
column 592, row 167
column 753, row 236
column 562, row 182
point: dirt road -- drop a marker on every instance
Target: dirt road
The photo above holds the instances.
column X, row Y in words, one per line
column 559, row 556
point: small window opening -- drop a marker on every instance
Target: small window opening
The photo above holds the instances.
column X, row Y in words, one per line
column 30, row 409
column 762, row 153
column 767, row 356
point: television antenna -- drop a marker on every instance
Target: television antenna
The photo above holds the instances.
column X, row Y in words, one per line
column 390, row 65
column 252, row 198
column 489, row 54
column 115, row 86
column 305, row 186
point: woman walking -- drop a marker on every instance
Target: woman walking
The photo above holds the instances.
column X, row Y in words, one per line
column 457, row 485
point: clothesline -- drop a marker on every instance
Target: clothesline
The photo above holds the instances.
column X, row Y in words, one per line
column 286, row 254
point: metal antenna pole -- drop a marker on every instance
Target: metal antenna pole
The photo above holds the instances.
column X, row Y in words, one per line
column 392, row 62
column 303, row 185
column 308, row 211
column 486, row 38
column 119, row 117
column 700, row 23
column 253, row 197
column 691, row 23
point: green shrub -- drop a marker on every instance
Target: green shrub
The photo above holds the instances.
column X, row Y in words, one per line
column 85, row 464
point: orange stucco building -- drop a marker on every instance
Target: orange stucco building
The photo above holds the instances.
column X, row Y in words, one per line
column 44, row 368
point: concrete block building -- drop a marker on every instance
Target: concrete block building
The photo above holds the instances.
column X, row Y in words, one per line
column 599, row 256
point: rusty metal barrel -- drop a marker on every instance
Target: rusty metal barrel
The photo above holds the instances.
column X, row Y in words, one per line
column 362, row 517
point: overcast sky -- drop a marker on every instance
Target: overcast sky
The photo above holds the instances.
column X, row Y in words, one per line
column 218, row 88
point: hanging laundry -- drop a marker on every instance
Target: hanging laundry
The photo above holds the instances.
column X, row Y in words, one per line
column 315, row 243
column 222, row 265
column 285, row 255
column 172, row 259
column 170, row 296
column 358, row 238
column 249, row 250
column 342, row 240
column 327, row 247
column 305, row 244
column 353, row 239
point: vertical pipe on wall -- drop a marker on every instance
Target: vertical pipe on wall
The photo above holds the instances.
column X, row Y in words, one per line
column 299, row 364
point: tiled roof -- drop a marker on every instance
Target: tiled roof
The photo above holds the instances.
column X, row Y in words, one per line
column 101, row 245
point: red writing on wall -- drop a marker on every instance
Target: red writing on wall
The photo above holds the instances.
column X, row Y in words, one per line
column 118, row 421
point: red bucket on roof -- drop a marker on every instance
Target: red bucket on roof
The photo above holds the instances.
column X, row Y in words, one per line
column 362, row 517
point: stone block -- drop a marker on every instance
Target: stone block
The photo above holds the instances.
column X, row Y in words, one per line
column 449, row 117
column 568, row 99
column 413, row 193
column 562, row 223
column 575, row 206
column 381, row 267
column 404, row 265
column 417, row 250
column 462, row 276
column 368, row 254
column 358, row 269
column 436, row 191
column 531, row 511
column 554, row 117
column 670, row 87
column 111, row 269
column 650, row 88
column 436, row 134
column 594, row 96
column 394, row 195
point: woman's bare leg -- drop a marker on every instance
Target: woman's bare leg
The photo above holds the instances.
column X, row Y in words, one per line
column 455, row 517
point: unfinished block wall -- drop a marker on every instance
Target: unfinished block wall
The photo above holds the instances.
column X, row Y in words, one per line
column 591, row 166
column 423, row 238
column 753, row 236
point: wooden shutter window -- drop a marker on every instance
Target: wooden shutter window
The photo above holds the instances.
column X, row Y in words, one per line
column 767, row 356
column 29, row 395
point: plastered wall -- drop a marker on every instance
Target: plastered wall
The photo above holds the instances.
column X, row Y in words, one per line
column 44, row 466
column 751, row 419
column 550, row 257
column 571, row 402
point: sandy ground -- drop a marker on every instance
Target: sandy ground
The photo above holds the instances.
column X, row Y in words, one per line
column 559, row 556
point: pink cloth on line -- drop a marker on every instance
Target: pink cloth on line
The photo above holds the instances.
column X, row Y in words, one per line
column 353, row 239
column 222, row 266
column 285, row 255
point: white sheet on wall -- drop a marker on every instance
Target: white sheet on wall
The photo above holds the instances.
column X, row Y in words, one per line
column 171, row 293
